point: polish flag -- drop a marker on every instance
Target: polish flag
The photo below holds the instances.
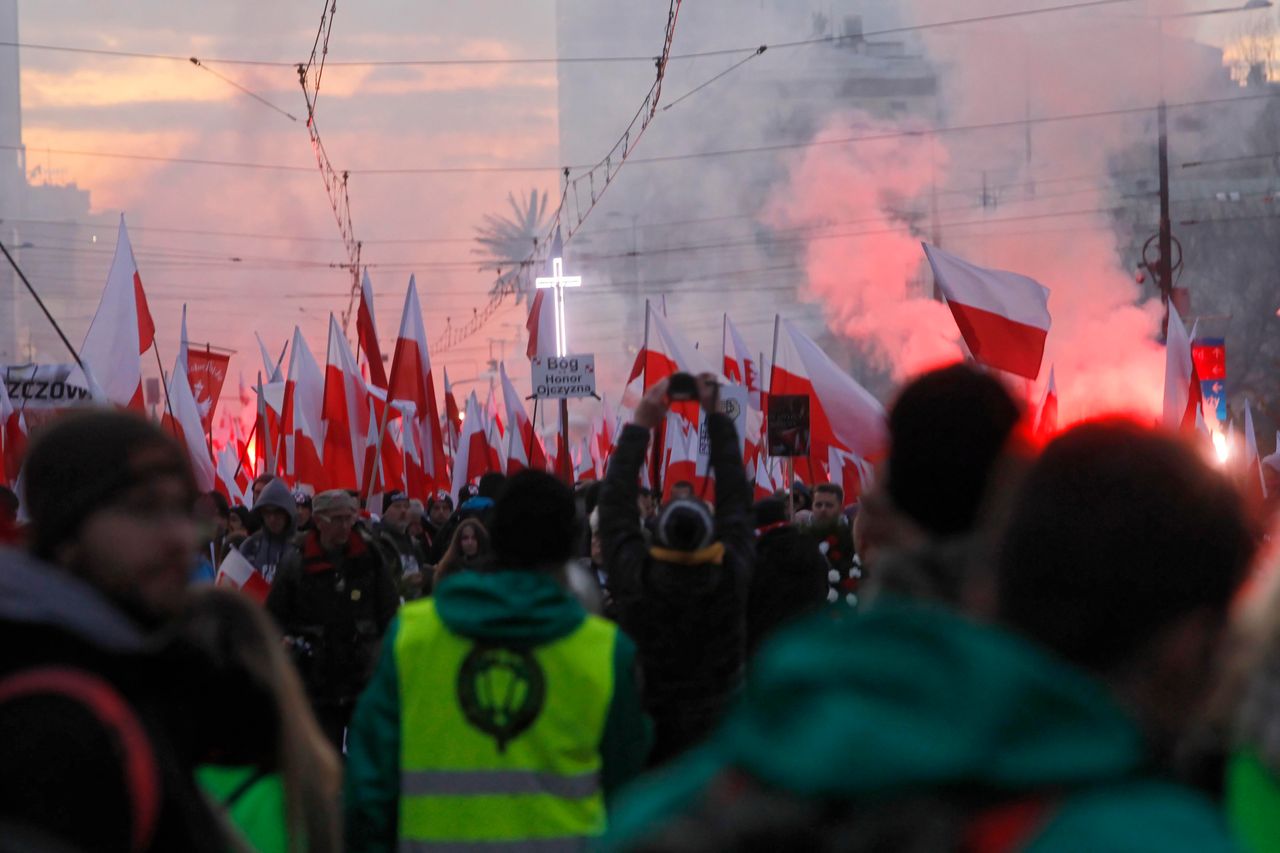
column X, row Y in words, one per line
column 346, row 414
column 493, row 436
column 13, row 440
column 739, row 367
column 225, row 476
column 475, row 457
column 416, row 480
column 412, row 382
column 270, row 366
column 302, row 427
column 1255, row 485
column 367, row 331
column 183, row 420
column 388, row 475
column 1003, row 316
column 532, row 454
column 666, row 351
column 604, row 435
column 238, row 573
column 1047, row 420
column 492, row 411
column 681, row 462
column 850, row 473
column 584, row 468
column 122, row 329
column 541, row 326
column 1181, row 384
column 452, row 415
column 842, row 413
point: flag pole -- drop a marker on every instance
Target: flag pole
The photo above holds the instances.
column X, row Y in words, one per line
column 528, row 453
column 790, row 466
column 376, row 467
column 164, row 383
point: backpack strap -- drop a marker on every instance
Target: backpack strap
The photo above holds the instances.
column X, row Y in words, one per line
column 141, row 773
column 1009, row 826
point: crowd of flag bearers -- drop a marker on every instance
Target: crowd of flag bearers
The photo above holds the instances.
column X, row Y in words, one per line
column 369, row 617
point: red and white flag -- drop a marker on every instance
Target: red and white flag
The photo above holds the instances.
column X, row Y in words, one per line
column 226, row 481
column 1003, row 316
column 604, row 435
column 1255, row 485
column 681, row 462
column 207, row 373
column 1047, row 419
column 238, row 573
column 842, row 413
column 122, row 329
column 521, row 432
column 13, row 440
column 412, row 382
column 303, row 407
column 346, row 414
column 367, row 330
column 739, row 365
column 452, row 415
column 183, row 421
column 1182, row 398
column 475, row 455
column 541, row 326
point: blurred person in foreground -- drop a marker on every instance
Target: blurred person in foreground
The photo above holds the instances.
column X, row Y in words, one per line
column 96, row 742
column 683, row 598
column 333, row 600
column 913, row 727
column 268, row 766
column 953, row 452
column 501, row 715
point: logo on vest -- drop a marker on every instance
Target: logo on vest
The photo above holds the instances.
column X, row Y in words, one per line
column 501, row 692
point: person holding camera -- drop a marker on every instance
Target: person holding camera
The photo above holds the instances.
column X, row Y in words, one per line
column 683, row 598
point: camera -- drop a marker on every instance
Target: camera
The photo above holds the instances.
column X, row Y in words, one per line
column 682, row 386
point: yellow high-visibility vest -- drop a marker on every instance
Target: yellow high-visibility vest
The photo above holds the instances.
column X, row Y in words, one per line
column 500, row 746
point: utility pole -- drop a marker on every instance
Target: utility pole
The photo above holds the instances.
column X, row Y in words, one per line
column 1164, row 273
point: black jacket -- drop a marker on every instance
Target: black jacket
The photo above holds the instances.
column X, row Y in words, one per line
column 688, row 621
column 790, row 580
column 67, row 656
column 335, row 607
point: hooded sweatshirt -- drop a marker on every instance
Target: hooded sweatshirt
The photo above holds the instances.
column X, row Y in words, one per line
column 515, row 609
column 264, row 551
column 914, row 701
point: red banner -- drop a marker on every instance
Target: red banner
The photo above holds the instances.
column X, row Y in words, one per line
column 207, row 372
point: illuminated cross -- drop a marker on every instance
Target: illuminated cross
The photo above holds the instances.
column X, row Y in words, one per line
column 559, row 281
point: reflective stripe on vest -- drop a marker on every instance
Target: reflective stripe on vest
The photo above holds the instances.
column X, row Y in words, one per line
column 500, row 747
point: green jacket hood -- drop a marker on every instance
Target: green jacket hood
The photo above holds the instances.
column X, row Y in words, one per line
column 907, row 697
column 514, row 608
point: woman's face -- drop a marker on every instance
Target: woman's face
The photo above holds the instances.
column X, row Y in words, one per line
column 234, row 524
column 470, row 545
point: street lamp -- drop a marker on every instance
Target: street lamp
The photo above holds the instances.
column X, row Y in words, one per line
column 1163, row 266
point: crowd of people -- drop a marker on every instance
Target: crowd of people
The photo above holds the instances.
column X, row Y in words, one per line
column 995, row 647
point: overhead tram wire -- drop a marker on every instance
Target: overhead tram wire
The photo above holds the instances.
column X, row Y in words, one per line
column 252, row 94
column 573, row 60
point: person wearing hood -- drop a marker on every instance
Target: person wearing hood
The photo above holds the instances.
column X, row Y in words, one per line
column 914, row 727
column 268, row 548
column 96, row 736
column 683, row 599
column 440, row 757
column 333, row 600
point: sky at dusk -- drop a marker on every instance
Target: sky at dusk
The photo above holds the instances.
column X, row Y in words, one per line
column 443, row 116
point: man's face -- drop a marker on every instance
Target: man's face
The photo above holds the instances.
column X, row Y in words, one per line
column 304, row 515
column 440, row 512
column 138, row 548
column 334, row 527
column 274, row 520
column 645, row 502
column 826, row 509
column 397, row 515
column 258, row 485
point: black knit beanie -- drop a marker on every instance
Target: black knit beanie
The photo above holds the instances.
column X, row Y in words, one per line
column 80, row 462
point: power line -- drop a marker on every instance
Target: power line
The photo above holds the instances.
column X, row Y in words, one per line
column 734, row 67
column 692, row 155
column 569, row 60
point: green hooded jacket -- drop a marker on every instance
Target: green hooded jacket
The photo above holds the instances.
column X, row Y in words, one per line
column 910, row 700
column 520, row 609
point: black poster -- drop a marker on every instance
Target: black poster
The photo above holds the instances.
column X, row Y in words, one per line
column 788, row 424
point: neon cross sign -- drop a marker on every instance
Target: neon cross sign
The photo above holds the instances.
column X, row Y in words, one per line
column 558, row 281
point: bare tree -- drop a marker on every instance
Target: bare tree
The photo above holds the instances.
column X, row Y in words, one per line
column 506, row 243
